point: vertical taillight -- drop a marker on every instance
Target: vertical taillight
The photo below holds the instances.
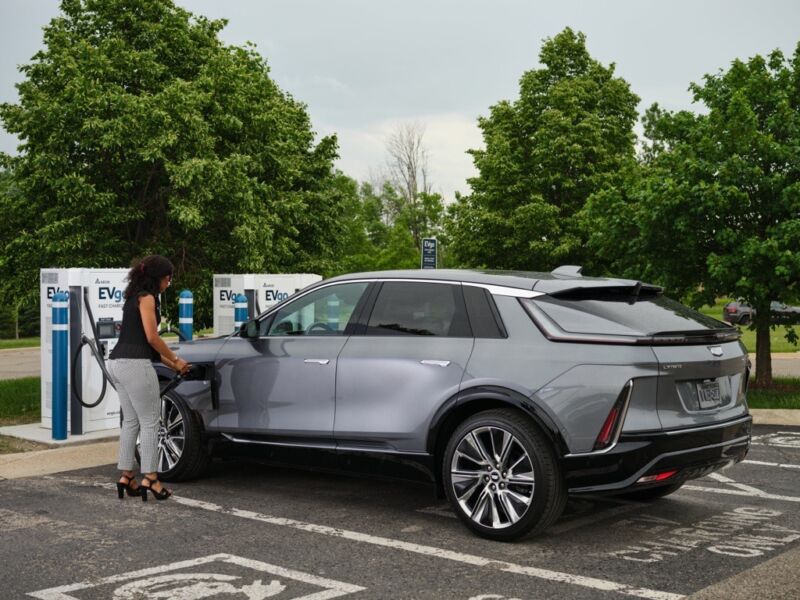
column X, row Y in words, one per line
column 609, row 432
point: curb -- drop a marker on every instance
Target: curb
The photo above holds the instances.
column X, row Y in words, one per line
column 47, row 462
column 776, row 416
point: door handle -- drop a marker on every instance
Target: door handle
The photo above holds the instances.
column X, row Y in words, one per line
column 318, row 361
column 436, row 363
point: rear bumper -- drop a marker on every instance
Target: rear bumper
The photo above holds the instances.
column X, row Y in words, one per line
column 693, row 452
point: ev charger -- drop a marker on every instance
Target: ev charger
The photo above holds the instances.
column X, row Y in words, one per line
column 103, row 290
column 262, row 290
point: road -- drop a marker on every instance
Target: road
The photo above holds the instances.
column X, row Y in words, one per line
column 254, row 530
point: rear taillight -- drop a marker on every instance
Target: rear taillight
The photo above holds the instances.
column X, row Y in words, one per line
column 731, row 310
column 657, row 477
column 609, row 432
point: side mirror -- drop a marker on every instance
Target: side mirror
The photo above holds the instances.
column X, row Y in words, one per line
column 249, row 329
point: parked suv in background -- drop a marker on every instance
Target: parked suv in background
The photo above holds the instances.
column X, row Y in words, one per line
column 738, row 312
column 516, row 389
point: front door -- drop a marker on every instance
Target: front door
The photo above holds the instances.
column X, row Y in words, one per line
column 282, row 383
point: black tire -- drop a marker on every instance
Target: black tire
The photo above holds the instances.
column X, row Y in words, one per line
column 549, row 493
column 195, row 456
column 653, row 493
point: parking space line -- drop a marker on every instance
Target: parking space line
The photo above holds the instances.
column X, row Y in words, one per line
column 470, row 559
column 764, row 495
column 770, row 464
column 593, row 518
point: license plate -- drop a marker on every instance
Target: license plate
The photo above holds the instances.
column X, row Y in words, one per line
column 708, row 395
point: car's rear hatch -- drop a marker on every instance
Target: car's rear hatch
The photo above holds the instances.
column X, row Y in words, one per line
column 702, row 364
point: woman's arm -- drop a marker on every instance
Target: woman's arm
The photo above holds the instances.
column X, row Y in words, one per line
column 147, row 310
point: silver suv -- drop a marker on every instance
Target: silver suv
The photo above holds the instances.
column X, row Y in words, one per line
column 516, row 389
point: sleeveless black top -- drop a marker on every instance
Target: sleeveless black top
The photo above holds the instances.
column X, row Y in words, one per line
column 132, row 342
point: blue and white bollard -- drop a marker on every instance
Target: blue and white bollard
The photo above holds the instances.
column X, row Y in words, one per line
column 239, row 311
column 185, row 314
column 60, row 364
column 333, row 313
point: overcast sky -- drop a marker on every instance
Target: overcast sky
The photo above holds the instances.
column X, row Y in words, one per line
column 363, row 66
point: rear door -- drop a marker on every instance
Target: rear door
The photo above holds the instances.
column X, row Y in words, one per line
column 409, row 358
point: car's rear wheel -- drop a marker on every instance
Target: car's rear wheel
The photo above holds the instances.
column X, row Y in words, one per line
column 182, row 451
column 502, row 477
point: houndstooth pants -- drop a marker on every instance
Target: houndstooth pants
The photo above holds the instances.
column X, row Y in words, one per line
column 140, row 399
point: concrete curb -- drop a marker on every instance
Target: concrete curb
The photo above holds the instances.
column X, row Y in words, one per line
column 47, row 462
column 776, row 416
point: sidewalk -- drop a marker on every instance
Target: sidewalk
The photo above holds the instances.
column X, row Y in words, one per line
column 46, row 462
column 20, row 362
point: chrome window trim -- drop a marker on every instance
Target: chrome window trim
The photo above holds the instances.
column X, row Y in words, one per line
column 496, row 290
column 502, row 290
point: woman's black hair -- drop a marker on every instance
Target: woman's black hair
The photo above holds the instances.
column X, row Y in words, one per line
column 146, row 274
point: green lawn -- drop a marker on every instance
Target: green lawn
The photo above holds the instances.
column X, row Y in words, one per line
column 20, row 401
column 785, row 393
column 777, row 337
column 27, row 342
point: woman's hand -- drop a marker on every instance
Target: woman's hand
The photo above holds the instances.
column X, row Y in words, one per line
column 181, row 366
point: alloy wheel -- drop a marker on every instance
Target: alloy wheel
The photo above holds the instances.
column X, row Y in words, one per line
column 492, row 477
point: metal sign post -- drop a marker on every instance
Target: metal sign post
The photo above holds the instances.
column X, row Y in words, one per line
column 429, row 251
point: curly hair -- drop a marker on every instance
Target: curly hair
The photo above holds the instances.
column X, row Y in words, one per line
column 146, row 274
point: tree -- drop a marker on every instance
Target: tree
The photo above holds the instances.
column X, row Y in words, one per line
column 717, row 204
column 567, row 136
column 141, row 132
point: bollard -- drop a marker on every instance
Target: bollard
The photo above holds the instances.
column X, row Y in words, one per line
column 185, row 314
column 60, row 364
column 333, row 312
column 239, row 311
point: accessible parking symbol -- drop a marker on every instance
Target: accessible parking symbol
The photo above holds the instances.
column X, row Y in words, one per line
column 218, row 575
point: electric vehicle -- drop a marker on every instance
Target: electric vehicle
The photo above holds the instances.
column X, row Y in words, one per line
column 516, row 388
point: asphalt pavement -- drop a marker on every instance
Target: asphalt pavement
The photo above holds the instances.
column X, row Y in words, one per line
column 252, row 529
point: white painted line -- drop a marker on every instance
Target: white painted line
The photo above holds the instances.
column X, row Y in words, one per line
column 593, row 518
column 764, row 495
column 770, row 464
column 334, row 589
column 433, row 551
column 470, row 559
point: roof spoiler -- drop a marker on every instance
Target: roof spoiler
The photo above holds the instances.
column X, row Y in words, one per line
column 568, row 271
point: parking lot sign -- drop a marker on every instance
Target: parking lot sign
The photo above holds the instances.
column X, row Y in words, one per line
column 429, row 248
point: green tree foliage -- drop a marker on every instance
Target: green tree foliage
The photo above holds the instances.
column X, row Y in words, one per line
column 568, row 135
column 141, row 132
column 376, row 241
column 715, row 209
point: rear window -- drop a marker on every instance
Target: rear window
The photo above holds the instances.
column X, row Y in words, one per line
column 612, row 314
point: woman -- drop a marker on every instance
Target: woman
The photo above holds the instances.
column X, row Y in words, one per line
column 131, row 366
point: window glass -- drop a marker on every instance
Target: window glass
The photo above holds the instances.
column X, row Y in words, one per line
column 325, row 311
column 430, row 309
column 618, row 316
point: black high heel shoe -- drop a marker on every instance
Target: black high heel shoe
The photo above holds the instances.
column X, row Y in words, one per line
column 162, row 494
column 122, row 488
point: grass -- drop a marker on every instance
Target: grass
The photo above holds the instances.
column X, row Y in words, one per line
column 784, row 393
column 777, row 337
column 26, row 342
column 20, row 400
